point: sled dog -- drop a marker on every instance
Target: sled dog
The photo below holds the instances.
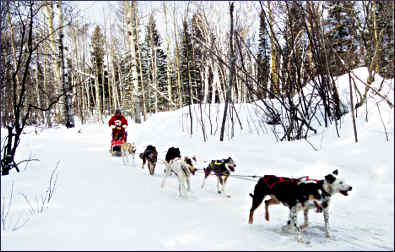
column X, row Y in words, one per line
column 222, row 169
column 330, row 185
column 183, row 169
column 126, row 150
column 296, row 195
column 149, row 155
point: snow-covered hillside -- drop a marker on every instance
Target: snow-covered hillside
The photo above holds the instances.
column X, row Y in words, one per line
column 101, row 204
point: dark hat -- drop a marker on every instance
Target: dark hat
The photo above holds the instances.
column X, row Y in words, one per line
column 118, row 111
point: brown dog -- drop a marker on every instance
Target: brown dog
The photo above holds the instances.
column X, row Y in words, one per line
column 151, row 155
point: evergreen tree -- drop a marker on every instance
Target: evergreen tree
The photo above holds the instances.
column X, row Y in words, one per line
column 341, row 35
column 198, row 56
column 97, row 60
column 154, row 59
column 385, row 24
column 263, row 57
column 186, row 60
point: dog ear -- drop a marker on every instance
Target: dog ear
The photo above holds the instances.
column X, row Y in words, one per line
column 336, row 172
column 330, row 178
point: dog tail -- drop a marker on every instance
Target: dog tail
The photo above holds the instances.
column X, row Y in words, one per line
column 252, row 195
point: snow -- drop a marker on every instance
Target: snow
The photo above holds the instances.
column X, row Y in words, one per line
column 101, row 204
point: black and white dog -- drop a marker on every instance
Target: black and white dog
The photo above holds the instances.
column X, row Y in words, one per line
column 171, row 153
column 222, row 169
column 182, row 168
column 330, row 185
column 296, row 195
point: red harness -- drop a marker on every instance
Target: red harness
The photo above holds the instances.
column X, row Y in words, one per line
column 306, row 178
column 292, row 180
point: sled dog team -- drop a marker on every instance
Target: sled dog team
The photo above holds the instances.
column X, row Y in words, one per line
column 298, row 194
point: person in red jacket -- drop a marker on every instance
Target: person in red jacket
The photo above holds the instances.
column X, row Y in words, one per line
column 118, row 123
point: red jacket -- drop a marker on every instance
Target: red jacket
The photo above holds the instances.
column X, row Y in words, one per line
column 118, row 121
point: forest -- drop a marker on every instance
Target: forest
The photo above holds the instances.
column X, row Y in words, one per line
column 56, row 66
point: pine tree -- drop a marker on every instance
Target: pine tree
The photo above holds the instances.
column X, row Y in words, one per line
column 385, row 24
column 263, row 57
column 186, row 60
column 155, row 67
column 198, row 56
column 97, row 60
column 341, row 35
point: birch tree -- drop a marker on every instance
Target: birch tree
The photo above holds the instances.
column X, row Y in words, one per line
column 131, row 12
column 67, row 91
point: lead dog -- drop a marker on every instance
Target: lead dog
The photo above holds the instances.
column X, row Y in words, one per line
column 126, row 150
column 183, row 169
column 222, row 169
column 150, row 154
column 330, row 185
column 294, row 194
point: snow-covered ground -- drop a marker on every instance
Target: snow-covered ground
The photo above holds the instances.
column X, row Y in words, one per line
column 101, row 204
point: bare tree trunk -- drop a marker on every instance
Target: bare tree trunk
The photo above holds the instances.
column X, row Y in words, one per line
column 114, row 90
column 310, row 8
column 216, row 83
column 38, row 80
column 50, row 15
column 206, row 83
column 274, row 55
column 179, row 88
column 232, row 63
column 143, row 100
column 97, row 95
column 352, row 110
column 68, row 108
column 169, row 88
column 47, row 113
column 131, row 9
column 154, row 70
column 375, row 32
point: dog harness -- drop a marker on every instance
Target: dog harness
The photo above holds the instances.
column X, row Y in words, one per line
column 307, row 178
column 293, row 180
column 218, row 167
column 282, row 179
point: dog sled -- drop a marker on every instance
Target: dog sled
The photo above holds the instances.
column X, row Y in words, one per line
column 119, row 138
